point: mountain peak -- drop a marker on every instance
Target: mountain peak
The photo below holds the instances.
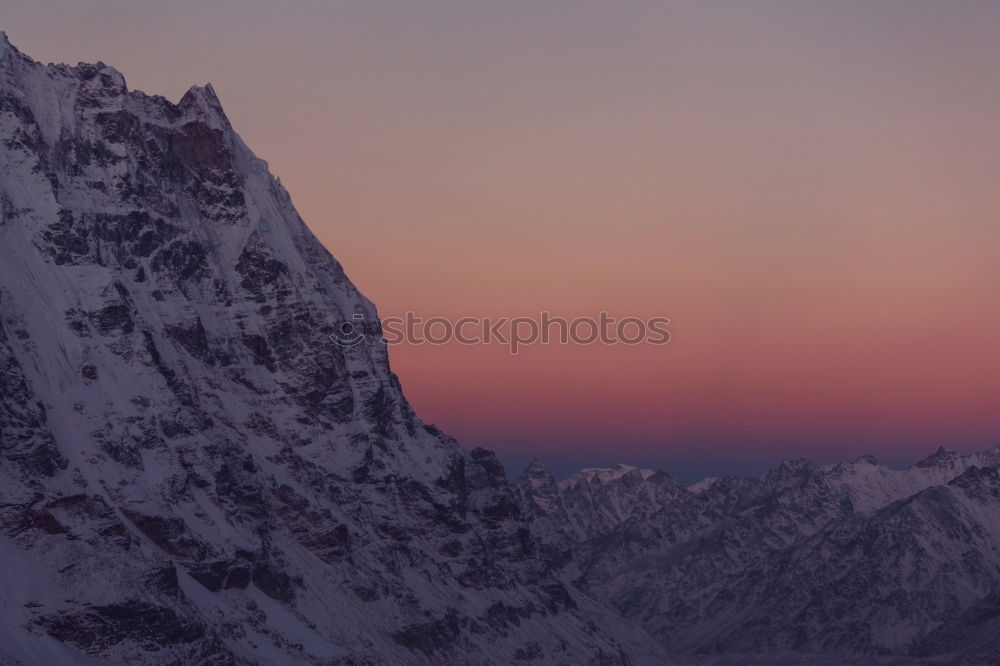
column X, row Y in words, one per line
column 535, row 466
column 6, row 47
column 5, row 42
column 204, row 102
column 941, row 458
column 537, row 475
column 108, row 75
column 791, row 467
column 205, row 92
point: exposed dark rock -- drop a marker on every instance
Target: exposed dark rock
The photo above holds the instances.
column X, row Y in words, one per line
column 97, row 628
column 431, row 637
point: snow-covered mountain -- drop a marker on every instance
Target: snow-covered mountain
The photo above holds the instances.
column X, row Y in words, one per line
column 853, row 562
column 191, row 472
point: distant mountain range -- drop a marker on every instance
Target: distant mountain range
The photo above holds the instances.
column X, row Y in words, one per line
column 800, row 564
column 191, row 472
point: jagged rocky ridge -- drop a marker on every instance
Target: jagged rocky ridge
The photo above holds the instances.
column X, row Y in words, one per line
column 191, row 472
column 805, row 564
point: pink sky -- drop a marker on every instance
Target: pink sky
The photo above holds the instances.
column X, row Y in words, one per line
column 808, row 191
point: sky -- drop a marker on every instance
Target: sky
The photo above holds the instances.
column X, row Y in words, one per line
column 808, row 190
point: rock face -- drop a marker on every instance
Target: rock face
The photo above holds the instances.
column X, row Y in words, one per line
column 805, row 564
column 192, row 472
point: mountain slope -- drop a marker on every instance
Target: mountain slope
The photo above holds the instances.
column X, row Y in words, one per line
column 190, row 470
